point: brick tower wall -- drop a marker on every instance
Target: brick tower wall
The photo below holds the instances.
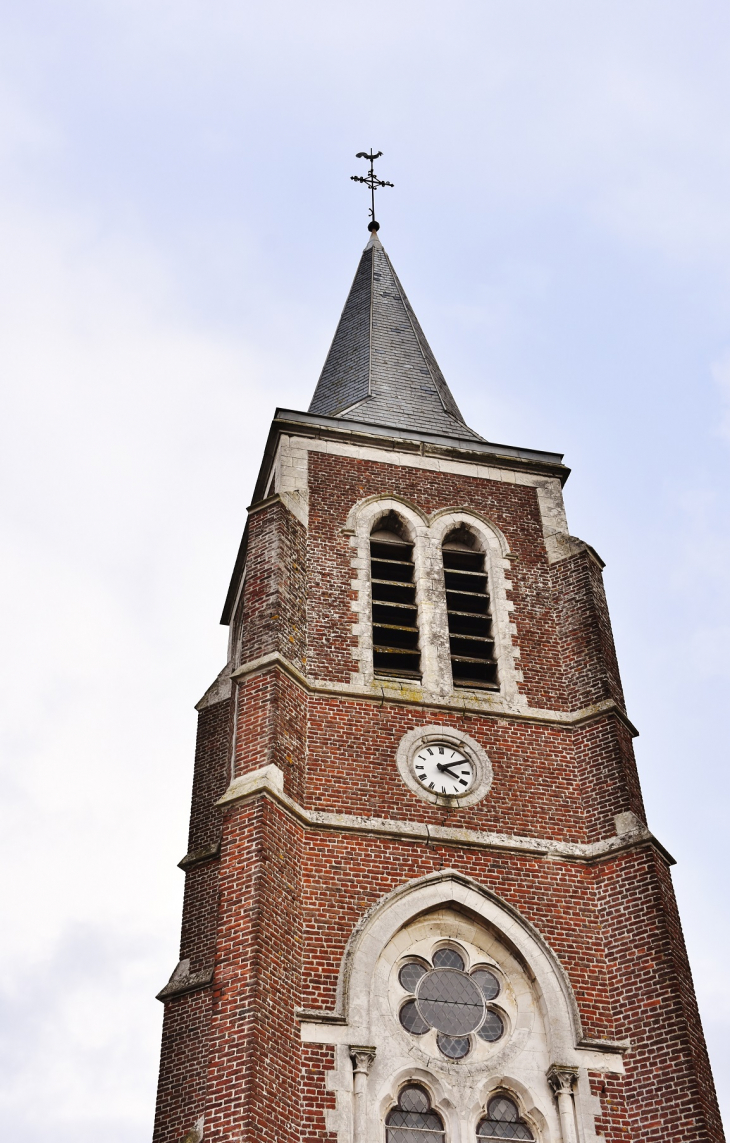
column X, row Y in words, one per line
column 275, row 888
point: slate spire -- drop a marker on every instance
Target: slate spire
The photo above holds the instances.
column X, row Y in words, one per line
column 380, row 368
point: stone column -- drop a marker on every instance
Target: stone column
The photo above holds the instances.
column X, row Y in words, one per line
column 562, row 1079
column 362, row 1059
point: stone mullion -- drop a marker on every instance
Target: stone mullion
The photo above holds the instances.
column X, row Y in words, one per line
column 433, row 621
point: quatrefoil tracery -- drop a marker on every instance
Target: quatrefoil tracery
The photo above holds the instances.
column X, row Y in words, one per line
column 451, row 1001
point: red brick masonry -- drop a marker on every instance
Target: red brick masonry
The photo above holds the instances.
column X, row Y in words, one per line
column 271, row 902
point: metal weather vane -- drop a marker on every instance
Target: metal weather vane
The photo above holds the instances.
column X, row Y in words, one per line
column 372, row 181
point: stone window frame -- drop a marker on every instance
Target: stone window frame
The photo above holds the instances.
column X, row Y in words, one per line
column 363, row 972
column 360, row 524
column 439, row 889
column 427, row 534
column 495, row 548
column 515, row 1091
column 440, row 1101
column 517, row 1002
column 510, row 1004
column 460, row 1123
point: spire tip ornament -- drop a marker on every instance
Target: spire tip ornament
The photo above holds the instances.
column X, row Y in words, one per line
column 372, row 181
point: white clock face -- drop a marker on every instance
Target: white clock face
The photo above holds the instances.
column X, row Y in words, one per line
column 443, row 769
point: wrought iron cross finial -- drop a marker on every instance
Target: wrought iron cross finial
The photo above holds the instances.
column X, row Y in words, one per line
column 371, row 180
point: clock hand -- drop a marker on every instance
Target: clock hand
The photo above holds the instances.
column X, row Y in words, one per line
column 446, row 766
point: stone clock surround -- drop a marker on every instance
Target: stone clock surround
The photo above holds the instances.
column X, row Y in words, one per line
column 422, row 736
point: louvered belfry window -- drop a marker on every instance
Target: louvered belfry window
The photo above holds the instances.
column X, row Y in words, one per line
column 471, row 640
column 395, row 612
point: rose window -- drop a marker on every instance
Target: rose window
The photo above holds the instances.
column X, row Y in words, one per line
column 454, row 1002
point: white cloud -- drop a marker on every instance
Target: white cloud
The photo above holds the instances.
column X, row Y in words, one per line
column 119, row 529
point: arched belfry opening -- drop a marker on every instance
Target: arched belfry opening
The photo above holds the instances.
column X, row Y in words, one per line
column 396, row 650
column 389, row 528
column 471, row 638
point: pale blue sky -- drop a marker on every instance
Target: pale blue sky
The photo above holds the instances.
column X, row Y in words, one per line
column 179, row 233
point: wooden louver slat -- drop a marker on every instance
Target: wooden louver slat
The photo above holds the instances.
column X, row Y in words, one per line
column 471, row 642
column 394, row 609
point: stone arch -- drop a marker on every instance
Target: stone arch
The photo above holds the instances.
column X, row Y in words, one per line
column 381, row 923
column 439, row 1096
column 361, row 520
column 515, row 1090
column 392, row 521
column 398, row 1080
column 464, row 533
column 491, row 535
column 369, row 506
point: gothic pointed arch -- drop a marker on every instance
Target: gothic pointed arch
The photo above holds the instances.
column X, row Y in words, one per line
column 452, row 888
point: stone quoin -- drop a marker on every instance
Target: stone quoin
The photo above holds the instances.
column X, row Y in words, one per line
column 422, row 901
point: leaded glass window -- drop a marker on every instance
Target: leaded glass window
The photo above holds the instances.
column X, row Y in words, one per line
column 448, row 958
column 502, row 1121
column 414, row 1120
column 450, row 1001
column 444, row 997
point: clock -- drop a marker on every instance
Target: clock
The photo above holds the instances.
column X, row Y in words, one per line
column 444, row 766
column 443, row 769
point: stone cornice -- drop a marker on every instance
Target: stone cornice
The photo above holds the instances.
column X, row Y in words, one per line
column 412, row 695
column 469, row 450
column 275, row 498
column 268, row 781
column 293, row 423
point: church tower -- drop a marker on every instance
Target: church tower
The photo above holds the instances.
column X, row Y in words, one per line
column 422, row 902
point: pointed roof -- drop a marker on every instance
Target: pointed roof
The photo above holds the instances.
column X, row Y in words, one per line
column 380, row 368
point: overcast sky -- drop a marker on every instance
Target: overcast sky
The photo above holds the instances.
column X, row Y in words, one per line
column 179, row 233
